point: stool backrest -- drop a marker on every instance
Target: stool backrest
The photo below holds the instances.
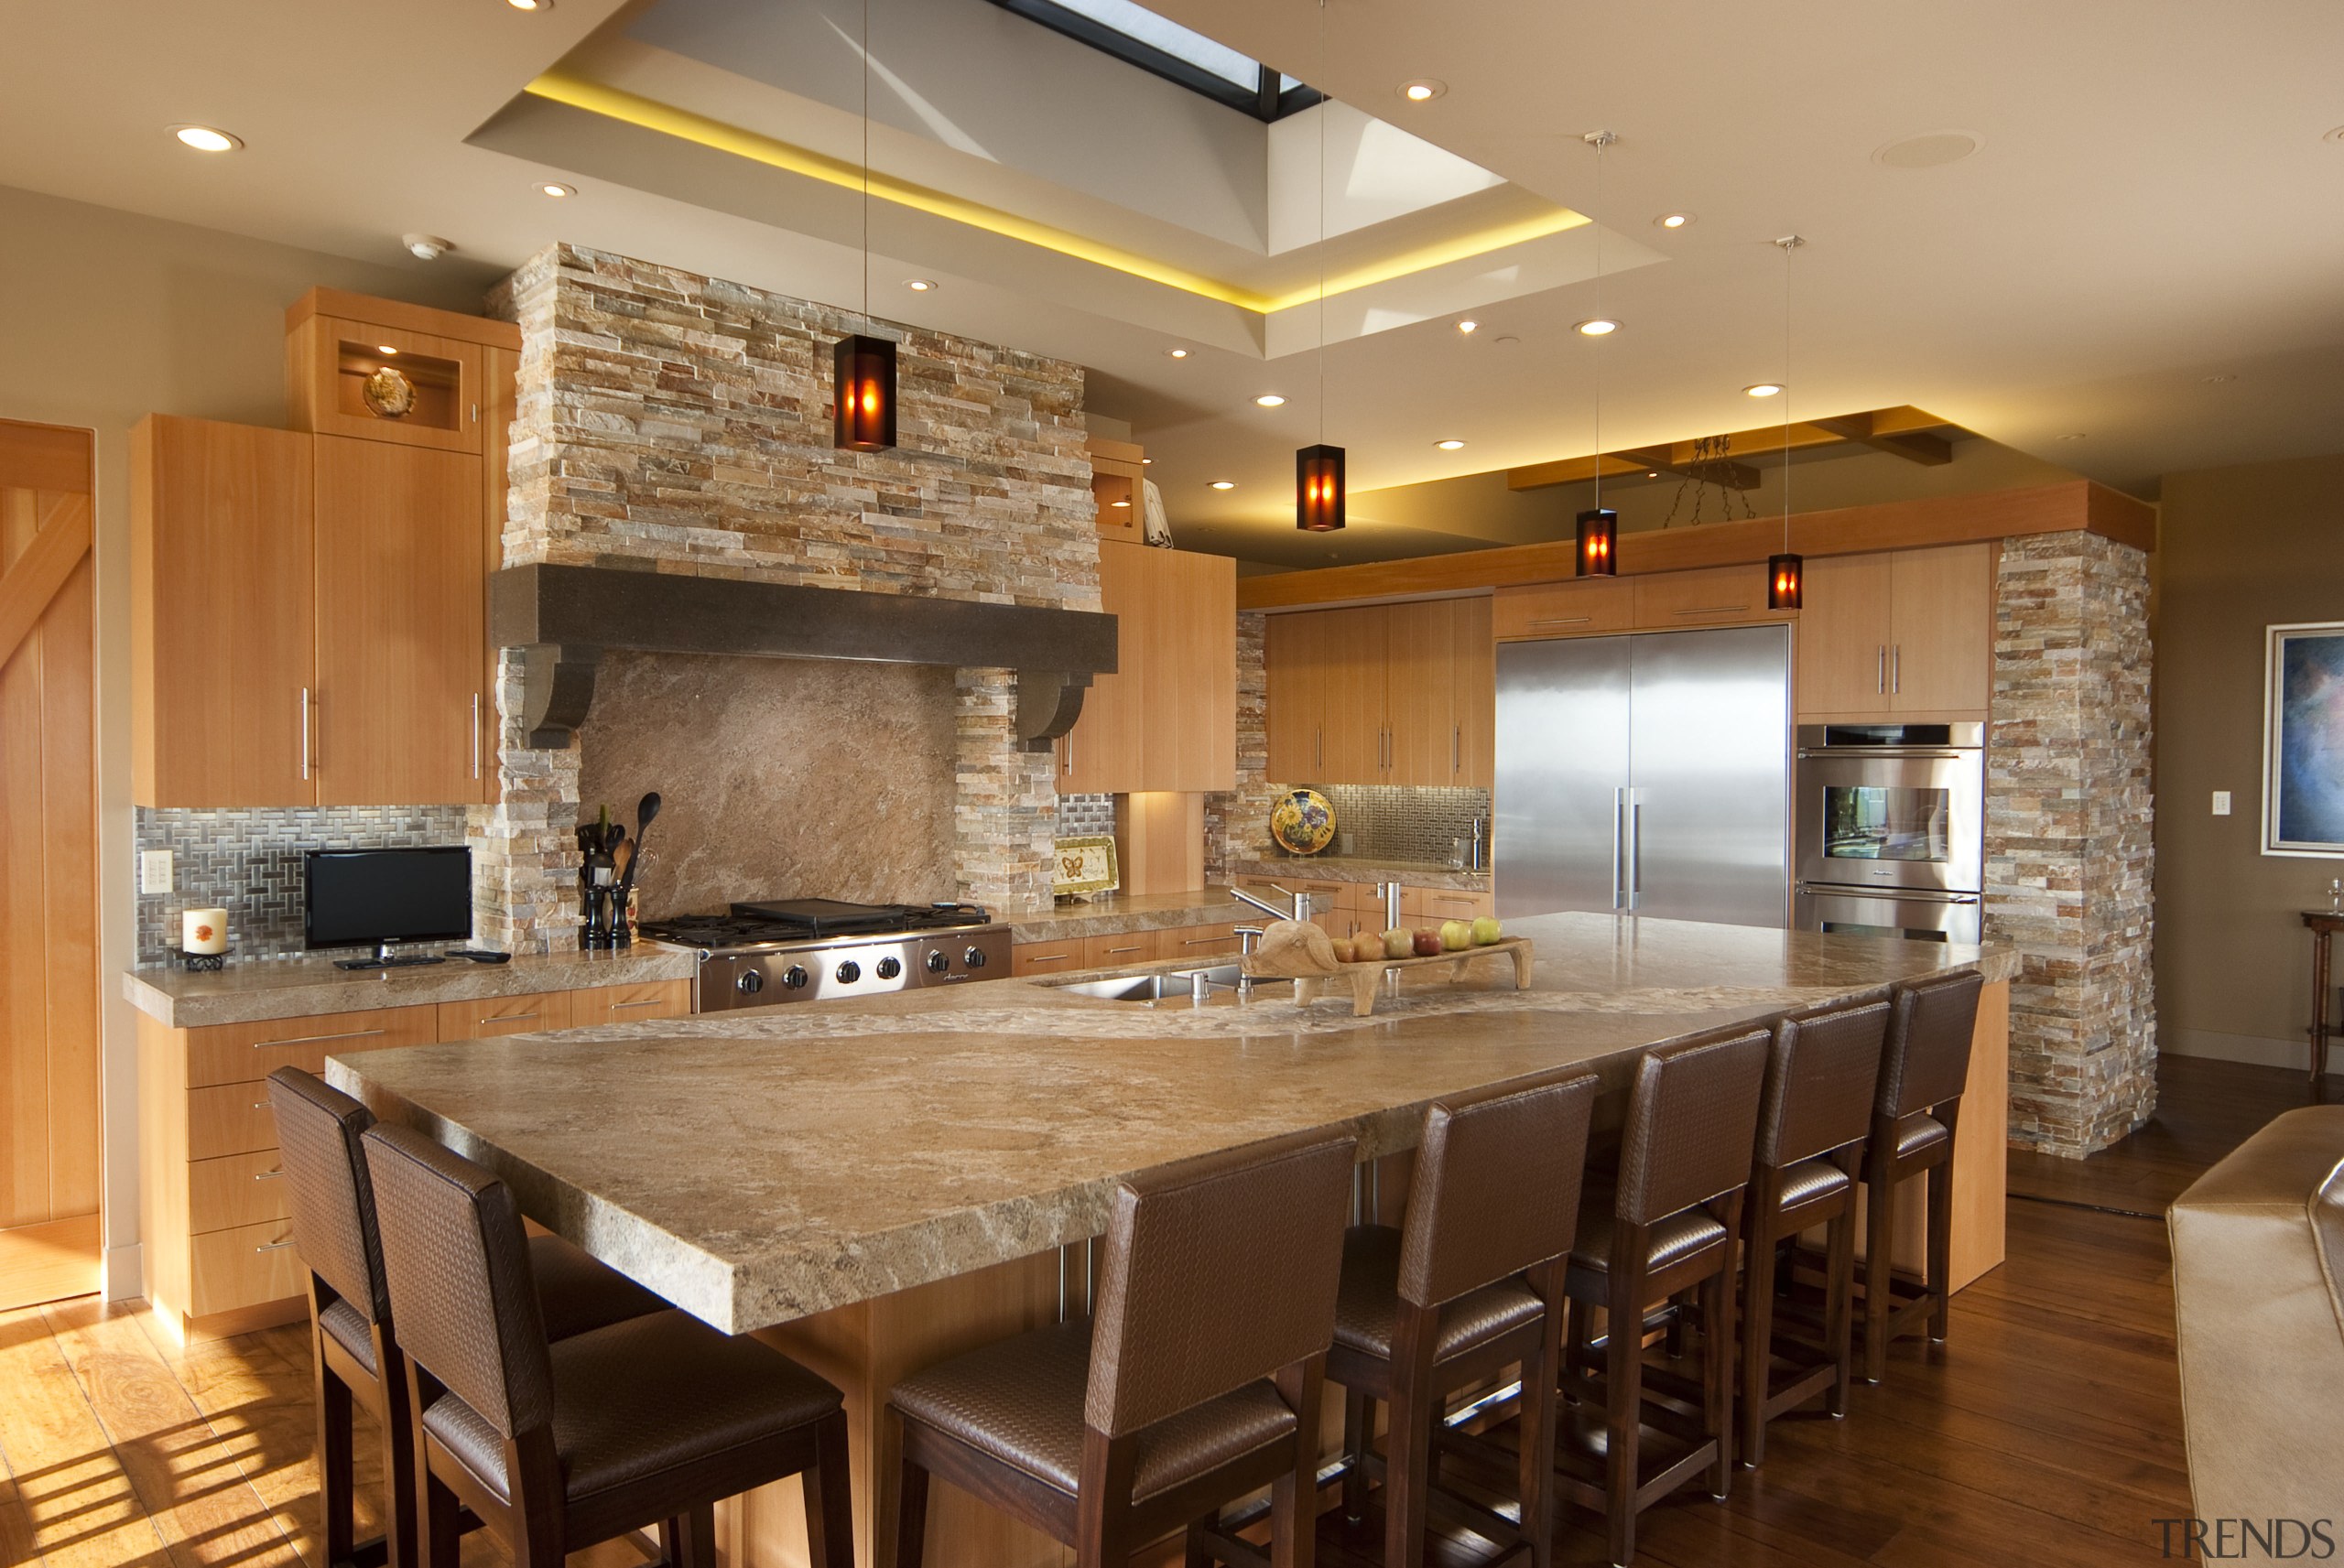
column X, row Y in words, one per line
column 1496, row 1187
column 1220, row 1271
column 1821, row 1078
column 328, row 1189
column 1692, row 1121
column 461, row 1292
column 1926, row 1061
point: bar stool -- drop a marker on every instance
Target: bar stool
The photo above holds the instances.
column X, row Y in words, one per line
column 1665, row 1227
column 1812, row 1120
column 558, row 1445
column 1923, row 1071
column 1466, row 1287
column 1197, row 1382
column 352, row 1353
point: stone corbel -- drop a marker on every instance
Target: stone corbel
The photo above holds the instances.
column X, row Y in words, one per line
column 1049, row 702
column 557, row 688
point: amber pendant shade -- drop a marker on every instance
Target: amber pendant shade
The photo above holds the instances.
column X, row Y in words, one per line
column 1599, row 540
column 1318, row 489
column 865, row 389
column 1785, row 582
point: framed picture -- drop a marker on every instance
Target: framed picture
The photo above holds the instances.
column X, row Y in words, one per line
column 2303, row 739
column 1085, row 867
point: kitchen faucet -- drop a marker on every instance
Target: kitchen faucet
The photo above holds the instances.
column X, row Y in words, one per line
column 1301, row 910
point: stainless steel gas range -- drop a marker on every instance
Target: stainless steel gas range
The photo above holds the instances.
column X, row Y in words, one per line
column 816, row 948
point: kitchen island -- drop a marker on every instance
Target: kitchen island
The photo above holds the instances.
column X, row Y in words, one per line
column 876, row 1185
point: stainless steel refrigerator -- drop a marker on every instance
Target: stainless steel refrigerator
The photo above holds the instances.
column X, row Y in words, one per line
column 1648, row 772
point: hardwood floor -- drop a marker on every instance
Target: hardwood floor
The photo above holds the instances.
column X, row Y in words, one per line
column 2048, row 1431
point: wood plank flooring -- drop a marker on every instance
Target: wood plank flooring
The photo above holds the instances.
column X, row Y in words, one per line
column 2048, row 1431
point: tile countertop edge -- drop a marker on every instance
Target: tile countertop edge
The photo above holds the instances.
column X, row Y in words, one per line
column 261, row 989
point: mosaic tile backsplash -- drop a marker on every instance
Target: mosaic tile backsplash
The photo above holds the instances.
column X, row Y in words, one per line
column 1411, row 823
column 1086, row 816
column 248, row 862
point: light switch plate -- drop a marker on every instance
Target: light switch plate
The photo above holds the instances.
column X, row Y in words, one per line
column 2221, row 802
column 154, row 870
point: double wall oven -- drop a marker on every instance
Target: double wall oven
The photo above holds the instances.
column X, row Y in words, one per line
column 1890, row 831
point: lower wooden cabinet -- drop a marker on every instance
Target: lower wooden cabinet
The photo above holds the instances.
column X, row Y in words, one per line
column 507, row 1015
column 627, row 1004
column 1124, row 949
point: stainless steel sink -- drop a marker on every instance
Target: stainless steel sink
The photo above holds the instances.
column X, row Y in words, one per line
column 1167, row 985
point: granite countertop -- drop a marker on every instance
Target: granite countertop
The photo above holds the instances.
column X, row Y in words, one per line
column 1117, row 913
column 253, row 990
column 919, row 1136
column 1359, row 869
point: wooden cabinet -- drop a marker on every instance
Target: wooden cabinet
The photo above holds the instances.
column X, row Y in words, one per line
column 1167, row 719
column 224, row 644
column 1118, row 481
column 1194, row 942
column 1122, row 948
column 1572, row 609
column 1900, row 633
column 630, row 1004
column 1384, row 694
column 1719, row 596
column 1430, row 906
column 1473, row 694
column 487, row 1019
column 334, row 341
column 401, row 625
column 1063, row 956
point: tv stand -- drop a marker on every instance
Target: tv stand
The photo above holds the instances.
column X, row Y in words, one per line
column 385, row 957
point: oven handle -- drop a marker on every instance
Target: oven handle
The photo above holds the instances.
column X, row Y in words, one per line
column 1895, row 753
column 1894, row 895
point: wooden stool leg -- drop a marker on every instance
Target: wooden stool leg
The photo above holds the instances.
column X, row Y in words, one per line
column 336, row 1489
column 1758, row 1320
column 1940, row 1264
column 1879, row 1248
column 1624, row 1394
column 1537, row 1437
column 1839, row 1301
column 1407, row 1472
column 440, row 1524
column 911, row 1505
column 1716, row 1357
column 829, row 1497
column 1359, row 1429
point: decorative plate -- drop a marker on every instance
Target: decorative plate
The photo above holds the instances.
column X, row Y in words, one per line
column 1084, row 867
column 1302, row 822
column 389, row 393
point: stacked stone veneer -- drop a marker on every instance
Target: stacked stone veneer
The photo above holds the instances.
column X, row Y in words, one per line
column 670, row 422
column 2069, row 859
column 1237, row 822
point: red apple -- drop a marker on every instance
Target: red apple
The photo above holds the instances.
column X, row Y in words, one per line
column 1427, row 944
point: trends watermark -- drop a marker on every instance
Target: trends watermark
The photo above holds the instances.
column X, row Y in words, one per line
column 2247, row 1540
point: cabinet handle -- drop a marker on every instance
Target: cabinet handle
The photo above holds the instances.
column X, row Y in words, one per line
column 267, row 1175
column 475, row 734
column 1879, row 671
column 275, row 1245
column 1319, row 749
column 1713, row 610
column 1896, row 670
column 524, row 1017
column 1456, row 750
column 305, row 732
column 1131, row 949
column 1560, row 620
column 647, row 1002
column 313, row 1039
column 1206, row 941
column 1066, row 755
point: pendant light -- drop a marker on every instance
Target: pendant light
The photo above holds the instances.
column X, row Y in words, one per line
column 1318, row 487
column 1787, row 573
column 1599, row 526
column 862, row 379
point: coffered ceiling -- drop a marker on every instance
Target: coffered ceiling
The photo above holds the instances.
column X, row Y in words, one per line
column 2132, row 270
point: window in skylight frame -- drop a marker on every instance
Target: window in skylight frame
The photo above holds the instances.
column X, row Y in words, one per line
column 1157, row 32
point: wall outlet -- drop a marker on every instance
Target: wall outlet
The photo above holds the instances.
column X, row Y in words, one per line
column 2221, row 802
column 154, row 870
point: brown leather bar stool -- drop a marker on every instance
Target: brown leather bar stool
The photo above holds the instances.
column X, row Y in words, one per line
column 557, row 1445
column 1197, row 1382
column 1464, row 1288
column 1812, row 1120
column 1923, row 1071
column 1665, row 1227
column 352, row 1353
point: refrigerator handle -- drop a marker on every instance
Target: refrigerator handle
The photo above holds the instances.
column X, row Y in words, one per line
column 1618, row 803
column 1636, row 849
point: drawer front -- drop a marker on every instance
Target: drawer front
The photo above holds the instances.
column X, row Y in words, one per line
column 1202, row 940
column 244, row 1267
column 1446, row 904
column 1564, row 609
column 1722, row 596
column 229, row 1118
column 1049, row 957
column 234, row 1053
column 628, row 1004
column 1123, row 948
column 238, row 1190
column 487, row 1019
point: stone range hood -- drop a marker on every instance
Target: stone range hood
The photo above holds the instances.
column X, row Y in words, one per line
column 562, row 618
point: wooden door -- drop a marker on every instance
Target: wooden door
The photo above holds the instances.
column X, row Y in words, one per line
column 1293, row 653
column 222, row 636
column 1474, row 693
column 1356, row 744
column 400, row 635
column 49, row 1109
column 1941, row 640
column 1188, row 741
column 1419, row 696
column 1843, row 635
column 1101, row 756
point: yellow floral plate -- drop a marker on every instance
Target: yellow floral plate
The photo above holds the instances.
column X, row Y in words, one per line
column 1302, row 822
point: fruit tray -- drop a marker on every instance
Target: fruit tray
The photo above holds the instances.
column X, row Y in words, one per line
column 1366, row 977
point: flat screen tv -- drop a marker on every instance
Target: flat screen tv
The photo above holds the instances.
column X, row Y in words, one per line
column 372, row 897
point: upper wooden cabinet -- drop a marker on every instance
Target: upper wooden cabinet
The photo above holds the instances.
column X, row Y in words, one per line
column 1904, row 633
column 1384, row 694
column 1118, row 482
column 334, row 341
column 1167, row 719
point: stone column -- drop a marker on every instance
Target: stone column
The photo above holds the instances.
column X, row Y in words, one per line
column 2070, row 859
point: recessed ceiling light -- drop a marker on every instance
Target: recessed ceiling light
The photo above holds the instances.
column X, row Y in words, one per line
column 2075, row 435
column 1764, row 389
column 2335, row 136
column 555, row 187
column 1178, row 354
column 1450, row 445
column 1423, row 90
column 1596, row 327
column 1144, row 462
column 1934, row 149
column 920, row 285
column 2217, row 379
column 1508, row 341
column 207, row 138
column 1673, row 219
column 384, row 350
column 530, row 4
column 1225, row 484
column 1468, row 325
column 1270, row 400
column 1651, row 473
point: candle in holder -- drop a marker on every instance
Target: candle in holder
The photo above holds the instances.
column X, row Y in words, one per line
column 203, row 930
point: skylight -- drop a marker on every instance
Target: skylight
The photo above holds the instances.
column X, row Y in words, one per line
column 1139, row 36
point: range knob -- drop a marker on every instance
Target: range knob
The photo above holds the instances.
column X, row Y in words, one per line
column 850, row 972
column 939, row 962
column 794, row 978
column 751, row 982
column 889, row 968
column 974, row 958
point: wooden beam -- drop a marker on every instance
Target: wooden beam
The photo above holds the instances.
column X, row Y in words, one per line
column 2073, row 505
column 40, row 571
column 1914, row 447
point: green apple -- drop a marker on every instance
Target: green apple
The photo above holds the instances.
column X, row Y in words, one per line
column 1487, row 930
column 1456, row 936
column 1399, row 944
